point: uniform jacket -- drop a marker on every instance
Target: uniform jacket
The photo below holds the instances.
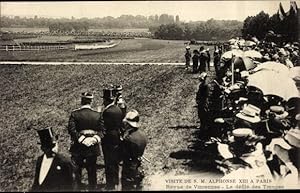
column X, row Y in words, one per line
column 188, row 56
column 134, row 145
column 81, row 119
column 202, row 93
column 59, row 177
column 112, row 121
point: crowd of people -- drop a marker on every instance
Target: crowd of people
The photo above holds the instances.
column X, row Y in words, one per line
column 114, row 129
column 252, row 117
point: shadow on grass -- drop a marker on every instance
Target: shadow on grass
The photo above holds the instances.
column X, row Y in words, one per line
column 183, row 127
column 199, row 156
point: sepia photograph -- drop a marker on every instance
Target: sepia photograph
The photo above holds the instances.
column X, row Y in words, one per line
column 149, row 95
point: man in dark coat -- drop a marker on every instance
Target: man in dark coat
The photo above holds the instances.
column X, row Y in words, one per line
column 53, row 172
column 201, row 100
column 120, row 100
column 202, row 59
column 187, row 56
column 85, row 131
column 133, row 146
column 112, row 117
column 195, row 59
column 217, row 59
column 208, row 59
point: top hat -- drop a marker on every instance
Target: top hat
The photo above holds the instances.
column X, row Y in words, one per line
column 132, row 118
column 109, row 93
column 87, row 95
column 250, row 113
column 47, row 138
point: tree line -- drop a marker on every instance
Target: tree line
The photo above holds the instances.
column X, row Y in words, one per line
column 283, row 28
column 123, row 21
column 202, row 30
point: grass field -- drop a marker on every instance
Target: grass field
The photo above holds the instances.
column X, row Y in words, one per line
column 40, row 96
column 131, row 50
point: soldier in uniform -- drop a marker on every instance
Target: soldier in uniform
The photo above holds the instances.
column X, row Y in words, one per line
column 133, row 146
column 120, row 100
column 85, row 131
column 202, row 59
column 187, row 56
column 208, row 59
column 111, row 122
column 201, row 100
column 53, row 172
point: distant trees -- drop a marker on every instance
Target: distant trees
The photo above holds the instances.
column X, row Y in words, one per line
column 68, row 27
column 209, row 30
column 256, row 25
column 123, row 21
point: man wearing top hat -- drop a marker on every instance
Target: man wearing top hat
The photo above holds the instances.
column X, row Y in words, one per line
column 53, row 172
column 84, row 129
column 133, row 145
column 111, row 122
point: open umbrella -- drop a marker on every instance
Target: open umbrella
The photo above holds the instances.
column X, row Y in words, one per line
column 234, row 52
column 253, row 54
column 295, row 73
column 274, row 66
column 249, row 64
column 271, row 82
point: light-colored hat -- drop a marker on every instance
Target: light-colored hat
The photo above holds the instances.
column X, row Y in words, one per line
column 250, row 113
column 187, row 47
column 242, row 132
column 297, row 117
column 278, row 111
column 132, row 118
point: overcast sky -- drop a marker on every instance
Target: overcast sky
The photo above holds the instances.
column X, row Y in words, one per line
column 187, row 10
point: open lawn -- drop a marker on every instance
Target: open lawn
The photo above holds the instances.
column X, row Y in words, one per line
column 130, row 50
column 40, row 96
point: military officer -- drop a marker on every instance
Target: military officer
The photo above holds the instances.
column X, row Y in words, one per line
column 133, row 146
column 112, row 117
column 120, row 100
column 201, row 100
column 53, row 172
column 84, row 129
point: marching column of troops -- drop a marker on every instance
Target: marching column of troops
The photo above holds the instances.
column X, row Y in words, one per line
column 114, row 129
